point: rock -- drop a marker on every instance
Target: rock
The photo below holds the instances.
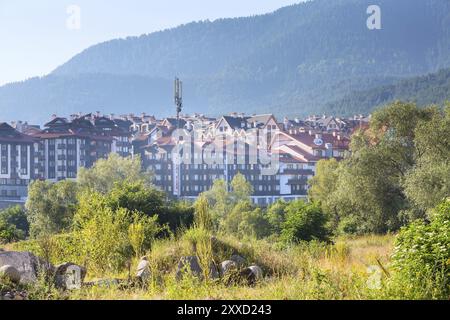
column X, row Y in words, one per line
column 143, row 272
column 105, row 283
column 26, row 263
column 227, row 266
column 213, row 272
column 257, row 271
column 191, row 264
column 8, row 296
column 11, row 273
column 252, row 274
column 69, row 276
column 240, row 261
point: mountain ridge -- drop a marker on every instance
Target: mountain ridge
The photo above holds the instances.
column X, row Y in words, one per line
column 294, row 61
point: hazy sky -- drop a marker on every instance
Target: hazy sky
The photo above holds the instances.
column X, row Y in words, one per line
column 35, row 39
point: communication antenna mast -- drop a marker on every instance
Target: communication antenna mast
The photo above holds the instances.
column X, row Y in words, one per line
column 178, row 96
column 178, row 88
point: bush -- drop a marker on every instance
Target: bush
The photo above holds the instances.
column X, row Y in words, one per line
column 348, row 225
column 9, row 232
column 244, row 220
column 421, row 259
column 304, row 222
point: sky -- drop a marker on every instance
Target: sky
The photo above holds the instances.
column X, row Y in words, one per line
column 36, row 36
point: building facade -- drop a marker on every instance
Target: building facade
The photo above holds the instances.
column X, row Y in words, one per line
column 187, row 155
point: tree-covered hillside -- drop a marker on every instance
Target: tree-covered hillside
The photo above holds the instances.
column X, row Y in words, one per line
column 292, row 61
column 424, row 90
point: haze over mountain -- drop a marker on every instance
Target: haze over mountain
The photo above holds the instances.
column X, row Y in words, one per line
column 424, row 90
column 298, row 60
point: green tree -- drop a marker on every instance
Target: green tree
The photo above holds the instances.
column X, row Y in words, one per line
column 136, row 196
column 276, row 215
column 218, row 199
column 17, row 217
column 9, row 232
column 244, row 220
column 107, row 172
column 241, row 189
column 429, row 183
column 51, row 206
column 304, row 222
column 324, row 184
column 369, row 188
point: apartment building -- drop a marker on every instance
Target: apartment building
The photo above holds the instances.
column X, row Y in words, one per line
column 16, row 166
column 278, row 159
column 64, row 146
column 186, row 154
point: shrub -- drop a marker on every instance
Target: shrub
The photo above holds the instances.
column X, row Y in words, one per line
column 16, row 216
column 348, row 225
column 421, row 259
column 304, row 222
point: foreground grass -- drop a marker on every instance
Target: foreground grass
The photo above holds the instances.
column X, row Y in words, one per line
column 349, row 269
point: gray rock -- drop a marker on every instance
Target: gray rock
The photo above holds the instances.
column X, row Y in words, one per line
column 105, row 283
column 26, row 263
column 69, row 276
column 8, row 296
column 252, row 274
column 188, row 264
column 213, row 272
column 191, row 264
column 11, row 273
column 143, row 270
column 240, row 261
column 257, row 271
column 227, row 266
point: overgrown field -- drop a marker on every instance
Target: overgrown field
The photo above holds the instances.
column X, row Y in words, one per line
column 352, row 268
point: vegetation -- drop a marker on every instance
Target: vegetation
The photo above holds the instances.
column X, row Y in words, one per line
column 368, row 231
column 377, row 189
column 424, row 90
column 14, row 225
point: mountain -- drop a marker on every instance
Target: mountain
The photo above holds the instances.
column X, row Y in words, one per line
column 294, row 61
column 424, row 90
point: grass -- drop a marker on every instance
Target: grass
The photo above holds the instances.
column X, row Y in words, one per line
column 308, row 271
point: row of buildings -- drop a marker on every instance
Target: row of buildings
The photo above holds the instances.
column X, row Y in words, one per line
column 186, row 154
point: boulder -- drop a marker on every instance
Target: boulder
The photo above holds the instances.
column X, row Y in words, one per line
column 143, row 272
column 240, row 261
column 11, row 273
column 227, row 266
column 69, row 276
column 191, row 264
column 26, row 263
column 252, row 274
